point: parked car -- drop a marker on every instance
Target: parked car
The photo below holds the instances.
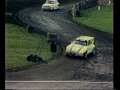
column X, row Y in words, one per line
column 81, row 46
column 50, row 5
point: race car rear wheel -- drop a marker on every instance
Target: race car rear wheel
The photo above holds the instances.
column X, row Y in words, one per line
column 85, row 55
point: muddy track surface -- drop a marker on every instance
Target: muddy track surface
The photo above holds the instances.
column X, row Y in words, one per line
column 96, row 68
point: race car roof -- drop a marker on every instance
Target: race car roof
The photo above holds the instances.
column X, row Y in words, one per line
column 52, row 0
column 85, row 38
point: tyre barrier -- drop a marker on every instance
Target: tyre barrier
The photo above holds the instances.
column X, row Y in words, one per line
column 85, row 4
column 82, row 5
column 35, row 58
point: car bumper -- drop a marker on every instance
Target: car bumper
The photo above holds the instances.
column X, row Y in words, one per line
column 73, row 54
column 47, row 8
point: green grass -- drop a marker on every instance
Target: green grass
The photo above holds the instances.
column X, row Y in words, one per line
column 20, row 44
column 101, row 20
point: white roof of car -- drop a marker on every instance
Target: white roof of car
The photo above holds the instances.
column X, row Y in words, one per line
column 51, row 0
column 85, row 38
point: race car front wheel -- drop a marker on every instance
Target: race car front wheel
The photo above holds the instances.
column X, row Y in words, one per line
column 93, row 52
column 67, row 55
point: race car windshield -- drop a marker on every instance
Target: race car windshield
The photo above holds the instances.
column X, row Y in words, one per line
column 50, row 2
column 84, row 43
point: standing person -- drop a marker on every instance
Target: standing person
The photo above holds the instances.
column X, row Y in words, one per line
column 73, row 11
column 77, row 6
column 27, row 27
column 109, row 2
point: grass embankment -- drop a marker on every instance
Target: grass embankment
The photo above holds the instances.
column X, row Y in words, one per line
column 20, row 44
column 101, row 20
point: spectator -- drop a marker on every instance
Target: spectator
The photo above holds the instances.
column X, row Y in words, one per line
column 73, row 11
column 77, row 6
column 27, row 27
column 109, row 2
column 99, row 8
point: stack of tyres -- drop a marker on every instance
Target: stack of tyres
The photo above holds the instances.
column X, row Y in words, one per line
column 53, row 47
column 52, row 39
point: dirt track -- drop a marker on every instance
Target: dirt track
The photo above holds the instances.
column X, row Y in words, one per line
column 95, row 68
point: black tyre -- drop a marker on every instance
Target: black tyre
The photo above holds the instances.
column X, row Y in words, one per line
column 94, row 51
column 85, row 55
column 67, row 55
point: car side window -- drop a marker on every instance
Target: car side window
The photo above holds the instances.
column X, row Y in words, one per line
column 51, row 2
column 89, row 42
column 84, row 43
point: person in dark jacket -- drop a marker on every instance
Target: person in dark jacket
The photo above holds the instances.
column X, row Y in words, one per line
column 77, row 6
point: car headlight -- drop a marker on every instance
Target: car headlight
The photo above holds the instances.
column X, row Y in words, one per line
column 80, row 54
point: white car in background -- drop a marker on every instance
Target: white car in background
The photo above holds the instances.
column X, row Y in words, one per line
column 50, row 5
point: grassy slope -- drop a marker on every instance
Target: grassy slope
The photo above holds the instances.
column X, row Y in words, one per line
column 20, row 44
column 101, row 20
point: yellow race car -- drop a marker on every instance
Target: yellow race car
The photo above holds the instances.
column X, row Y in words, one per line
column 50, row 5
column 81, row 46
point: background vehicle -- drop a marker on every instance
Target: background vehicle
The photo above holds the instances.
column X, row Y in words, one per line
column 50, row 5
column 81, row 46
